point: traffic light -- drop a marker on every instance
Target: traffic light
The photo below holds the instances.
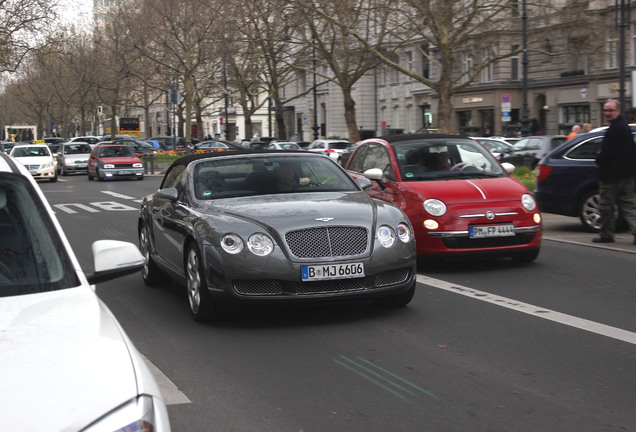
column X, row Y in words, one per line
column 100, row 111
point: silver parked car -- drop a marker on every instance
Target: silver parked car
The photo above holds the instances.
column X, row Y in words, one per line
column 330, row 147
column 72, row 157
column 273, row 225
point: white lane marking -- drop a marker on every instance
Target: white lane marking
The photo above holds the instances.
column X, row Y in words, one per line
column 170, row 392
column 539, row 312
column 118, row 195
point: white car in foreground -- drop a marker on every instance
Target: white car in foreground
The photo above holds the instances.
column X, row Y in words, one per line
column 67, row 364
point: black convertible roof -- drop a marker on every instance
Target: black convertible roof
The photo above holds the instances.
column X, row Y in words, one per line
column 186, row 160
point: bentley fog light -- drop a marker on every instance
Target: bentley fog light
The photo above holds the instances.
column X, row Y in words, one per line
column 386, row 236
column 435, row 207
column 528, row 202
column 260, row 244
column 232, row 244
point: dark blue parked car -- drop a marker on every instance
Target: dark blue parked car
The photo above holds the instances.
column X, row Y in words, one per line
column 567, row 179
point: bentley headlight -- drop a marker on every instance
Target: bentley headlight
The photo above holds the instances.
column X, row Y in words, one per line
column 136, row 415
column 109, row 166
column 528, row 202
column 435, row 207
column 404, row 233
column 137, row 165
column 260, row 244
column 232, row 243
column 386, row 236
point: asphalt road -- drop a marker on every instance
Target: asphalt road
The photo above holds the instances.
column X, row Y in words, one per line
column 484, row 346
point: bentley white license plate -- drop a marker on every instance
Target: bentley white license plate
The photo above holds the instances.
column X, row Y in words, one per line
column 332, row 271
column 507, row 230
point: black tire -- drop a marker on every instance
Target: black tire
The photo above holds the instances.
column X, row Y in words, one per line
column 150, row 272
column 396, row 300
column 202, row 306
column 526, row 257
column 589, row 212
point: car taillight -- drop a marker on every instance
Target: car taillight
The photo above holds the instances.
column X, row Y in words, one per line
column 330, row 151
column 543, row 171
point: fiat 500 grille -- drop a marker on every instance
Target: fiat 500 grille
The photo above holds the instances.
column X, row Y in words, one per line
column 327, row 242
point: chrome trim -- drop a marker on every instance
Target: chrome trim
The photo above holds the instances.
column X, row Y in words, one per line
column 477, row 215
column 451, row 234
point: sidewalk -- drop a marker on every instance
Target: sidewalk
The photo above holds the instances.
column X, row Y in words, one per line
column 569, row 230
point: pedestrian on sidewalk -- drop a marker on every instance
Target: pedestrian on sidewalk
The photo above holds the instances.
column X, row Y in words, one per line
column 617, row 167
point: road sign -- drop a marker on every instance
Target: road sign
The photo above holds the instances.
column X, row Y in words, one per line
column 505, row 98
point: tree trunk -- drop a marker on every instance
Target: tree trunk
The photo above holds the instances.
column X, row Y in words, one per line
column 350, row 116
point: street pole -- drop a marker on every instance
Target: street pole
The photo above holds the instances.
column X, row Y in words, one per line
column 227, row 123
column 524, row 107
column 315, row 93
column 623, row 23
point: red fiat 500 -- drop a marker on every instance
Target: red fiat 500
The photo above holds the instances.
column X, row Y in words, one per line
column 459, row 198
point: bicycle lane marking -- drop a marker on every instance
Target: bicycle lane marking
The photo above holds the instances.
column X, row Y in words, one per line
column 537, row 311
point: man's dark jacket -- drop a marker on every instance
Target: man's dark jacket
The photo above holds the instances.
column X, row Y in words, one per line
column 617, row 159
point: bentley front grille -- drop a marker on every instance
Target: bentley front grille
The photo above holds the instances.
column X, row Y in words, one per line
column 328, row 242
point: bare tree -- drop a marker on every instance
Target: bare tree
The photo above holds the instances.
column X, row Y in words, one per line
column 21, row 26
column 181, row 35
column 348, row 56
column 268, row 27
column 445, row 31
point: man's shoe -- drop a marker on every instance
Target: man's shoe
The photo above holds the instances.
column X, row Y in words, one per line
column 604, row 240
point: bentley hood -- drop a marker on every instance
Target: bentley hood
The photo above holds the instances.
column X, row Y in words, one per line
column 306, row 209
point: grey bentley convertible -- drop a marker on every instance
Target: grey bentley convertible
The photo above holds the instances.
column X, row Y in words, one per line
column 273, row 226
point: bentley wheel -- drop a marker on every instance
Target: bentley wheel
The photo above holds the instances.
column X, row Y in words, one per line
column 397, row 300
column 150, row 272
column 201, row 304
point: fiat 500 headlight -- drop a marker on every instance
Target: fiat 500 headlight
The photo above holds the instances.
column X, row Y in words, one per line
column 260, row 244
column 435, row 207
column 528, row 202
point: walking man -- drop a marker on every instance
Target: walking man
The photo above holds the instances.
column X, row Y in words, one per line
column 617, row 167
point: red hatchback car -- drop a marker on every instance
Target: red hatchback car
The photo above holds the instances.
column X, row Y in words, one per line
column 459, row 198
column 109, row 161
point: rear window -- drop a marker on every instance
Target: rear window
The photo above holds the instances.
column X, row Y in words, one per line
column 340, row 145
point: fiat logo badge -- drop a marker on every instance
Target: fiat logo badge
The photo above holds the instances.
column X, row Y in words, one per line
column 490, row 215
column 324, row 219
